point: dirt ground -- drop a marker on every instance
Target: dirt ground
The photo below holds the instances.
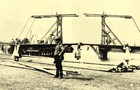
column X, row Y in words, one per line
column 15, row 78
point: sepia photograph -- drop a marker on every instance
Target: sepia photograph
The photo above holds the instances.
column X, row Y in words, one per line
column 69, row 45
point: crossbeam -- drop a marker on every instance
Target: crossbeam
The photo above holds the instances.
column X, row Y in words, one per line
column 108, row 15
column 52, row 16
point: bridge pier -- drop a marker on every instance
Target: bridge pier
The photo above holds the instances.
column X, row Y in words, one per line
column 103, row 53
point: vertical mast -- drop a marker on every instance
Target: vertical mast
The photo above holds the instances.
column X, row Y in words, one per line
column 59, row 27
column 103, row 30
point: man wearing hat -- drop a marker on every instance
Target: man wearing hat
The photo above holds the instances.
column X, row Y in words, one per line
column 58, row 57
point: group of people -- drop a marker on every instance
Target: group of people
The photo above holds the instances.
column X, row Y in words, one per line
column 59, row 56
column 4, row 49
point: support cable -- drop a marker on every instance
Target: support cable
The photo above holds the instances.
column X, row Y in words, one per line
column 109, row 37
column 49, row 30
column 113, row 33
column 135, row 24
column 24, row 27
column 52, row 33
column 53, row 37
column 30, row 27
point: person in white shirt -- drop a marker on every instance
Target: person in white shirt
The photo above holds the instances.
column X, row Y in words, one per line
column 16, row 54
column 127, row 54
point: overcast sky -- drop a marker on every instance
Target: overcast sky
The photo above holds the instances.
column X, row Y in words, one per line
column 15, row 13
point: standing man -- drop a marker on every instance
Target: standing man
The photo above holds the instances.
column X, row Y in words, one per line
column 58, row 57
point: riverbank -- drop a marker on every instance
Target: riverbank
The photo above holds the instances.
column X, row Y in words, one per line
column 88, row 79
